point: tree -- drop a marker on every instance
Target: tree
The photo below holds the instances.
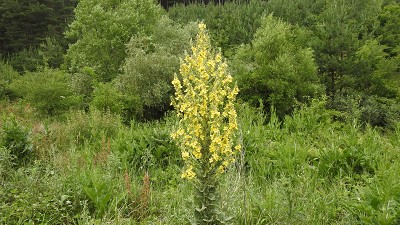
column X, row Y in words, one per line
column 300, row 12
column 388, row 31
column 341, row 28
column 276, row 68
column 229, row 24
column 377, row 73
column 101, row 30
column 26, row 23
column 151, row 61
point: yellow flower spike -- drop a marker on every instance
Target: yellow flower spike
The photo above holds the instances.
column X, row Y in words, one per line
column 204, row 100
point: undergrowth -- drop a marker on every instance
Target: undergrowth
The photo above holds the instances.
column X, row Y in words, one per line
column 93, row 169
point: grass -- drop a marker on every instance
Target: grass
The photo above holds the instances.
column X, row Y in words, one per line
column 88, row 168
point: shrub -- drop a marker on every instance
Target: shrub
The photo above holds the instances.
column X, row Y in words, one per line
column 82, row 83
column 6, row 163
column 86, row 128
column 35, row 195
column 276, row 68
column 149, row 67
column 379, row 111
column 16, row 140
column 25, row 60
column 107, row 98
column 147, row 146
column 379, row 201
column 51, row 53
column 296, row 12
column 49, row 91
column 376, row 71
column 7, row 75
column 389, row 19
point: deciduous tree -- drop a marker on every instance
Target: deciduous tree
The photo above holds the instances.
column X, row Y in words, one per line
column 101, row 30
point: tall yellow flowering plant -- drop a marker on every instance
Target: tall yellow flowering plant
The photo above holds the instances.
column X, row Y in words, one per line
column 204, row 101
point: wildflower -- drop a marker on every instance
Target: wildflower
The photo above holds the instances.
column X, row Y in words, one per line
column 204, row 101
column 203, row 98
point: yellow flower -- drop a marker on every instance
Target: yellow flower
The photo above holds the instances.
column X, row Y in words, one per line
column 204, row 101
column 197, row 154
column 238, row 147
column 188, row 174
column 185, row 155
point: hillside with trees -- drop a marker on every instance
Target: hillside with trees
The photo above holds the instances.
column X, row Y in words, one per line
column 199, row 112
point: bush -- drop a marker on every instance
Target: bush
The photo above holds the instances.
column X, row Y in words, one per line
column 25, row 60
column 35, row 195
column 373, row 110
column 82, row 83
column 276, row 68
column 296, row 12
column 16, row 140
column 7, row 75
column 107, row 98
column 51, row 53
column 379, row 111
column 49, row 91
column 147, row 146
column 149, row 68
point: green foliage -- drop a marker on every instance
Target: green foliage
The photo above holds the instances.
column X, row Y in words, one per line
column 300, row 165
column 26, row 23
column 300, row 12
column 82, row 83
column 149, row 68
column 230, row 24
column 375, row 84
column 49, row 91
column 308, row 168
column 147, row 146
column 101, row 30
column 51, row 53
column 88, row 128
column 7, row 75
column 388, row 30
column 377, row 73
column 380, row 111
column 276, row 68
column 16, row 139
column 39, row 187
column 379, row 202
column 99, row 192
column 26, row 60
column 6, row 163
column 341, row 28
column 107, row 98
